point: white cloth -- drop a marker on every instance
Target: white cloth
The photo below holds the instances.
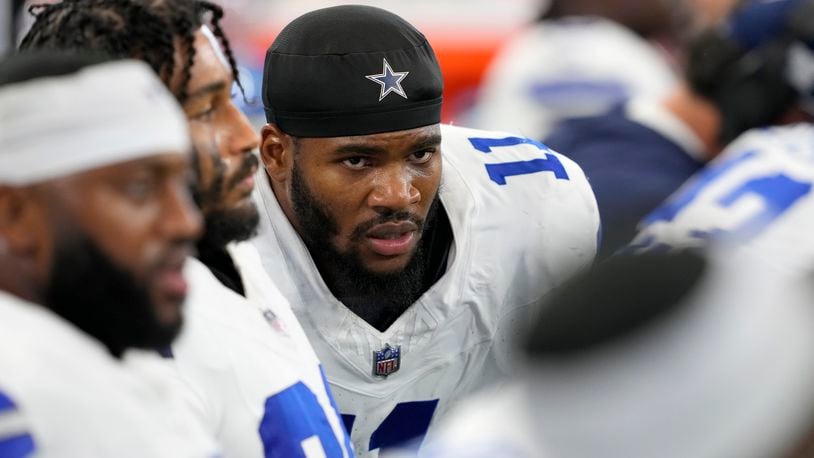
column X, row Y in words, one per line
column 67, row 395
column 250, row 372
column 101, row 115
column 513, row 242
column 571, row 67
column 727, row 375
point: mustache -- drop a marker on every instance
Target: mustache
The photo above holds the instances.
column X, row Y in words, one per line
column 393, row 217
column 247, row 167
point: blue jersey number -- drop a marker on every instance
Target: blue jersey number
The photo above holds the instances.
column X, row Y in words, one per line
column 499, row 172
column 16, row 444
column 778, row 193
column 405, row 426
column 294, row 425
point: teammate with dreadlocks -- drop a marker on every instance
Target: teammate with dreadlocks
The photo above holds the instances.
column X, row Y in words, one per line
column 156, row 31
column 242, row 350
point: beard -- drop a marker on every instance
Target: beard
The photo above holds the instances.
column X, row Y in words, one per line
column 225, row 225
column 104, row 300
column 371, row 295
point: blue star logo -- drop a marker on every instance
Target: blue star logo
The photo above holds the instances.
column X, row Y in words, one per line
column 389, row 80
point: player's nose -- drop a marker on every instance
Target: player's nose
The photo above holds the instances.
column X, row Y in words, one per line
column 393, row 189
column 239, row 136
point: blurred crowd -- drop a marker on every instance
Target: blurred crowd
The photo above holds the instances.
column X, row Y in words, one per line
column 559, row 228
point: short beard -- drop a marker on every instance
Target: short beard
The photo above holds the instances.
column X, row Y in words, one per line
column 225, row 225
column 233, row 225
column 345, row 273
column 102, row 299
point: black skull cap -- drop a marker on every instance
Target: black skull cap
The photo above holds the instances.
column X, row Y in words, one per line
column 351, row 70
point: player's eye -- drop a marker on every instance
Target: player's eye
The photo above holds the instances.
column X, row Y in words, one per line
column 356, row 162
column 205, row 115
column 139, row 189
column 421, row 157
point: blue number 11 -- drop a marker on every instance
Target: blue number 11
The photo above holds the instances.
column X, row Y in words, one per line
column 499, row 172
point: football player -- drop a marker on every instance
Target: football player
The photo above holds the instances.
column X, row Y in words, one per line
column 96, row 220
column 756, row 193
column 250, row 372
column 579, row 59
column 740, row 75
column 657, row 355
column 409, row 250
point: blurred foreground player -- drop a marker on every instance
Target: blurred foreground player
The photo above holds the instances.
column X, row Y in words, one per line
column 657, row 356
column 409, row 250
column 744, row 74
column 248, row 366
column 96, row 221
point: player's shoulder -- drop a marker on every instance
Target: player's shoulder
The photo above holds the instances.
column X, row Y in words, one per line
column 790, row 143
column 22, row 327
column 505, row 173
column 499, row 156
column 538, row 199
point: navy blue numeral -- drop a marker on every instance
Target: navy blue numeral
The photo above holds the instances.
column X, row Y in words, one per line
column 17, row 445
column 499, row 172
column 292, row 416
column 405, row 426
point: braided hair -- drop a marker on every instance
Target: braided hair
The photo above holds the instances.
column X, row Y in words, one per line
column 150, row 30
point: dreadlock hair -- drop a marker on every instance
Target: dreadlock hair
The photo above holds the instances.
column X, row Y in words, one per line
column 150, row 30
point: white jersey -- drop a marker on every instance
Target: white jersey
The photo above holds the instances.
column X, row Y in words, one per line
column 523, row 218
column 63, row 395
column 252, row 375
column 572, row 67
column 757, row 193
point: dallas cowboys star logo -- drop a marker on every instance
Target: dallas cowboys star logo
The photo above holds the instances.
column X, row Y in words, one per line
column 389, row 80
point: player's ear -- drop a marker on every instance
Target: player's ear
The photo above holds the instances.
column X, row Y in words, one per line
column 276, row 152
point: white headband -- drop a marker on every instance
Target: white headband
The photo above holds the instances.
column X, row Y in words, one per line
column 729, row 375
column 213, row 41
column 102, row 115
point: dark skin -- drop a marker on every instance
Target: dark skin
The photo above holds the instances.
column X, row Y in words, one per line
column 358, row 179
column 139, row 213
column 216, row 123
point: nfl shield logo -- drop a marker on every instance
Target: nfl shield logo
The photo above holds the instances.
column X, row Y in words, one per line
column 386, row 361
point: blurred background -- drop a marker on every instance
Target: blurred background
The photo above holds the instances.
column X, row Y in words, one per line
column 467, row 35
